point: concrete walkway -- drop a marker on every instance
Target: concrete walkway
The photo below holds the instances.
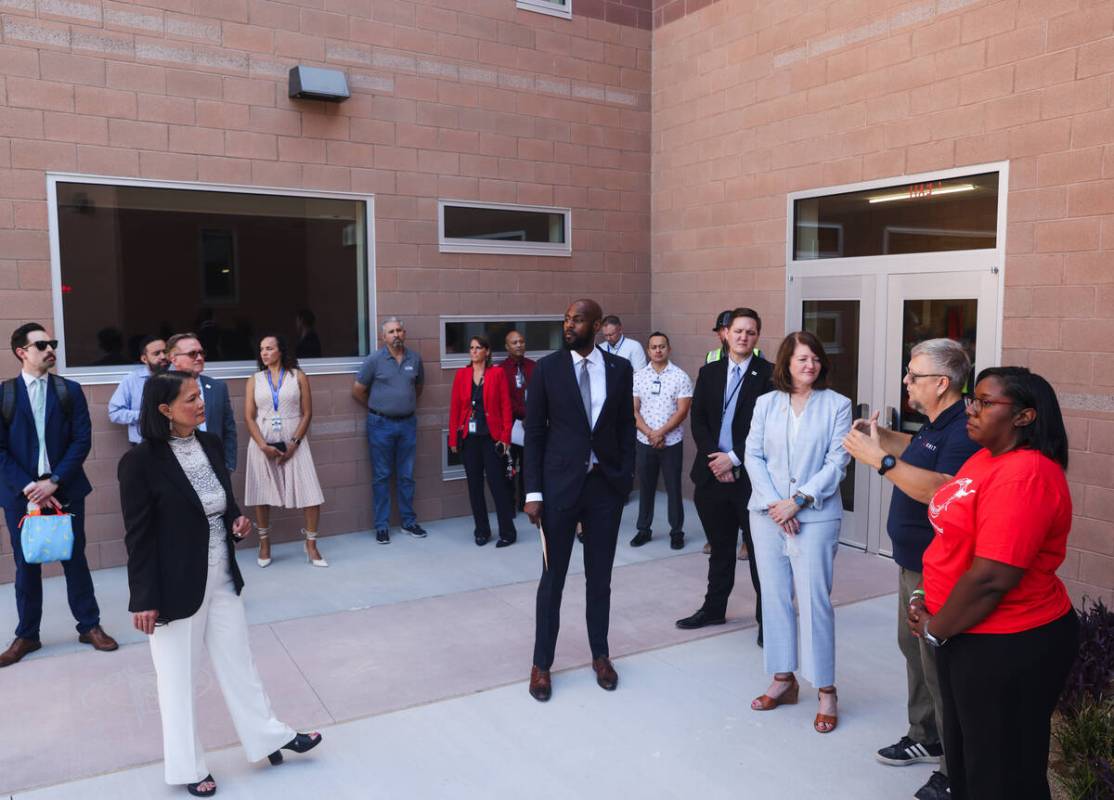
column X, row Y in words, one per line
column 412, row 659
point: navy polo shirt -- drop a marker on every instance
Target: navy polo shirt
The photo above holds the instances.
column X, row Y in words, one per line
column 941, row 446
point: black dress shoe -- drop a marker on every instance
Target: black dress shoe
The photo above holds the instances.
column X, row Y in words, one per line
column 506, row 542
column 482, row 539
column 677, row 541
column 541, row 686
column 699, row 620
column 302, row 743
column 641, row 538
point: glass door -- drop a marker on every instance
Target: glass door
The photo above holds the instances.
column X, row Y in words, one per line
column 841, row 312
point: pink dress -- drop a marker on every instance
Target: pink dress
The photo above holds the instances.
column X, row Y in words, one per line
column 294, row 483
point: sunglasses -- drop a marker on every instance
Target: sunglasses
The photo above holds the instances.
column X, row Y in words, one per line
column 193, row 355
column 42, row 345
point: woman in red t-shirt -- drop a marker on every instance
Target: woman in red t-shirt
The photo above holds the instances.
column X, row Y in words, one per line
column 1001, row 622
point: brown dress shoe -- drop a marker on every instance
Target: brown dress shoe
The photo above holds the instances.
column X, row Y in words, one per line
column 606, row 676
column 707, row 548
column 541, row 686
column 99, row 639
column 18, row 649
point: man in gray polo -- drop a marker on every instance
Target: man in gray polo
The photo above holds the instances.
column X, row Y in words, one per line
column 389, row 383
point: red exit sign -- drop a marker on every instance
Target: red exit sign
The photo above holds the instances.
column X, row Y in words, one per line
column 924, row 189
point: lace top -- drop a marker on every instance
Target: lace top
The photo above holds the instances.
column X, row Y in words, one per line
column 191, row 456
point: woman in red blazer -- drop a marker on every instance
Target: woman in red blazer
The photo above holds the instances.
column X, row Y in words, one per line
column 480, row 430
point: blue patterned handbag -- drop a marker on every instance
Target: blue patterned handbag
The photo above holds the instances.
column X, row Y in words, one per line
column 46, row 537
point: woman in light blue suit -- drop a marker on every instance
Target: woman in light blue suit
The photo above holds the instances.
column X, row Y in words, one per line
column 795, row 460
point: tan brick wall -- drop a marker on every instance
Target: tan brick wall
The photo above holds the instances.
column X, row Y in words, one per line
column 753, row 100
column 469, row 100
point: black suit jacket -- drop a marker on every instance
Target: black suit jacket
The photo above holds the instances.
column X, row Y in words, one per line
column 166, row 530
column 559, row 438
column 707, row 413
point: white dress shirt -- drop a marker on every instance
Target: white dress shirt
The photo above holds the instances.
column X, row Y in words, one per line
column 629, row 349
column 597, row 379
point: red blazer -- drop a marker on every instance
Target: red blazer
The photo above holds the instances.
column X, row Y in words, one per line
column 497, row 405
column 518, row 396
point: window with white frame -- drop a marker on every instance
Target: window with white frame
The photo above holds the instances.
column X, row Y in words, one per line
column 542, row 333
column 452, row 467
column 465, row 227
column 555, row 8
column 136, row 258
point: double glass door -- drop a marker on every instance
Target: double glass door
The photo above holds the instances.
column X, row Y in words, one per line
column 868, row 324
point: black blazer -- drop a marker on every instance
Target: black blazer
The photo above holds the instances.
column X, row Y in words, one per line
column 166, row 530
column 558, row 437
column 707, row 413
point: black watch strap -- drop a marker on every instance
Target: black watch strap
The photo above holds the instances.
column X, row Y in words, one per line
column 888, row 463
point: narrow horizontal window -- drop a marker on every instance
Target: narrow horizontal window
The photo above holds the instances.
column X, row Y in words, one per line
column 542, row 335
column 555, row 8
column 452, row 467
column 529, row 230
column 140, row 261
column 932, row 216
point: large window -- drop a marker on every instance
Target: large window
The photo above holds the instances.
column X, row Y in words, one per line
column 542, row 334
column 136, row 259
column 956, row 213
column 491, row 228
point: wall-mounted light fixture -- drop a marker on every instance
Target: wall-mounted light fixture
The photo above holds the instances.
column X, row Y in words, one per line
column 316, row 83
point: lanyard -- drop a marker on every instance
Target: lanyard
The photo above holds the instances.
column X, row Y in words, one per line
column 274, row 391
column 613, row 349
column 730, row 397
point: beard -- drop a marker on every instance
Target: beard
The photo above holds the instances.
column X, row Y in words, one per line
column 578, row 342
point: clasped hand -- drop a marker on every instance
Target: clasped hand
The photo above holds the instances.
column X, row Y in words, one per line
column 784, row 513
column 722, row 467
column 917, row 617
column 41, row 493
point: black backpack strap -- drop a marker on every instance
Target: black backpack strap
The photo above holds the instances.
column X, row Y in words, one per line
column 7, row 400
column 65, row 401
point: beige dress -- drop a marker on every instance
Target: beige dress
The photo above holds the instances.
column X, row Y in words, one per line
column 294, row 483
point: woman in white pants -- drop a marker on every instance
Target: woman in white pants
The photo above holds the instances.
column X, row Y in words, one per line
column 180, row 519
column 795, row 460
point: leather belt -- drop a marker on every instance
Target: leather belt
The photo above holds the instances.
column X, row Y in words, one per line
column 390, row 416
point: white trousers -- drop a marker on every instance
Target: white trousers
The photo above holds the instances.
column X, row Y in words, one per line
column 798, row 565
column 222, row 627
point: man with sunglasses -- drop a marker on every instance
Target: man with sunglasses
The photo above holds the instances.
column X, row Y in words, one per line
column 187, row 355
column 918, row 465
column 44, row 441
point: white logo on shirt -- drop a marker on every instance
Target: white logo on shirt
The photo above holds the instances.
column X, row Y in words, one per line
column 961, row 487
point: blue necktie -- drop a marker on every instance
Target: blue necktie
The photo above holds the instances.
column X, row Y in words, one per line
column 38, row 406
column 725, row 442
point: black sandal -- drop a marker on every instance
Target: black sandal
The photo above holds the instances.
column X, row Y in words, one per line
column 192, row 787
column 302, row 743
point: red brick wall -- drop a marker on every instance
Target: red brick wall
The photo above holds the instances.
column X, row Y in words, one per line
column 753, row 100
column 465, row 99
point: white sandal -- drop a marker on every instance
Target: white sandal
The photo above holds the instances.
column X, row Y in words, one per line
column 263, row 562
column 311, row 536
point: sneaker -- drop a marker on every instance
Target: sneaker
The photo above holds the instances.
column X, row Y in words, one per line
column 908, row 752
column 383, row 536
column 937, row 788
column 415, row 530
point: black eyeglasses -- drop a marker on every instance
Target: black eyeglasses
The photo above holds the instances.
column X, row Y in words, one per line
column 43, row 344
column 976, row 404
column 912, row 376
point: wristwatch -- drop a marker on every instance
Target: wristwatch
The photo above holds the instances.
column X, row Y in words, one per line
column 55, row 478
column 932, row 640
column 801, row 500
column 888, row 463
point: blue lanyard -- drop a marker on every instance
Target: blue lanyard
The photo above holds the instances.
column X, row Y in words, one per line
column 613, row 349
column 734, row 391
column 274, row 391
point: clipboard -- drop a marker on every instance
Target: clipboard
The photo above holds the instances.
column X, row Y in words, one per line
column 545, row 548
column 518, row 433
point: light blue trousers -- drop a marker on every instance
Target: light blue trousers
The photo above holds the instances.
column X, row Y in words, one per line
column 798, row 565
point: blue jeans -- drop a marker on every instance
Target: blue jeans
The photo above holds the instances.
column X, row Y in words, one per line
column 29, row 579
column 392, row 444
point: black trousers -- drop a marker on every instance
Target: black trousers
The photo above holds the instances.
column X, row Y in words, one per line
column 723, row 511
column 599, row 509
column 518, row 487
column 477, row 452
column 650, row 461
column 998, row 692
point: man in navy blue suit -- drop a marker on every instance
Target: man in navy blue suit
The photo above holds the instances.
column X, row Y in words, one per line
column 187, row 355
column 42, row 448
column 579, row 466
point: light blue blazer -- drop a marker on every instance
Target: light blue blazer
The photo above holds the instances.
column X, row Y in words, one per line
column 818, row 461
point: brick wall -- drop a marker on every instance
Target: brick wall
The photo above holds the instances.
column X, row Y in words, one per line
column 753, row 100
column 466, row 99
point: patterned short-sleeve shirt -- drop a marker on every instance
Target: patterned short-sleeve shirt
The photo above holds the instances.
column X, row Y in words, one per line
column 658, row 393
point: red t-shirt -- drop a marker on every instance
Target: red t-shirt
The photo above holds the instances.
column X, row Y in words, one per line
column 1015, row 509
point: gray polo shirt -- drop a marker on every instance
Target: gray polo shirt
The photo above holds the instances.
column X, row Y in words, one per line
column 392, row 386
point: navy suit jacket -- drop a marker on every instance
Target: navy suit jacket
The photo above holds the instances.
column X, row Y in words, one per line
column 68, row 440
column 219, row 418
column 559, row 438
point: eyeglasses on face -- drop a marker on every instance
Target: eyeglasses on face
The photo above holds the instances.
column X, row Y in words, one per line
column 192, row 355
column 43, row 344
column 976, row 404
column 913, row 376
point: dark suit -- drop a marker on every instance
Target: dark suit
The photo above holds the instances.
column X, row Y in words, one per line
column 559, row 441
column 166, row 530
column 68, row 439
column 723, row 506
column 219, row 418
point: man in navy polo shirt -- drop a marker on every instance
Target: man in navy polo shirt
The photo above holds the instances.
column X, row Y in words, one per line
column 918, row 465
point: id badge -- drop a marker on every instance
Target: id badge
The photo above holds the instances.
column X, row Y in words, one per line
column 519, row 380
column 276, row 425
column 655, row 387
column 471, row 426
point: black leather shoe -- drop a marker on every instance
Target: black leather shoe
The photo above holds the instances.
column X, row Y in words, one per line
column 699, row 620
column 641, row 538
column 482, row 539
column 302, row 743
column 506, row 542
column 676, row 541
column 541, row 686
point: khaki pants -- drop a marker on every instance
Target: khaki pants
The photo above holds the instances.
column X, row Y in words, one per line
column 925, row 716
